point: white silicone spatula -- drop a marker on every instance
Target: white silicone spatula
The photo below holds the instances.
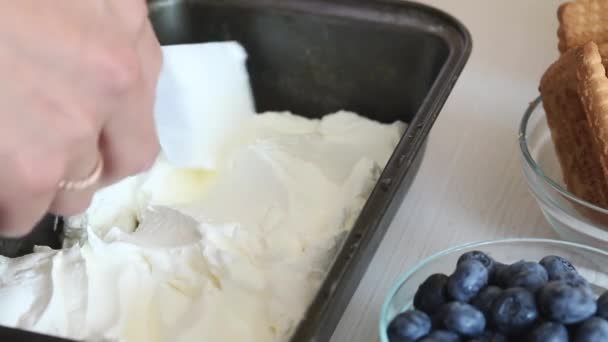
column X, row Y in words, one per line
column 203, row 97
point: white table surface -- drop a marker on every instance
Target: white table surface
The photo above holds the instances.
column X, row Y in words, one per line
column 470, row 186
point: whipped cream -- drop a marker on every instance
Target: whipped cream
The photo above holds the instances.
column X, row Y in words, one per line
column 234, row 254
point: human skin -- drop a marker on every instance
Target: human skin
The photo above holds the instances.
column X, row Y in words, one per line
column 78, row 84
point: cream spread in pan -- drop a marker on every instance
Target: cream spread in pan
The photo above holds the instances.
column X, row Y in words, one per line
column 234, row 254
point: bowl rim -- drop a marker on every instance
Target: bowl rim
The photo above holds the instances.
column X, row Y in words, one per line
column 407, row 274
column 527, row 156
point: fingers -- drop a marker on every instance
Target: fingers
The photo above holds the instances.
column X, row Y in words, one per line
column 150, row 54
column 84, row 88
column 72, row 136
column 27, row 190
column 31, row 189
column 132, row 14
column 71, row 202
column 41, row 138
column 128, row 141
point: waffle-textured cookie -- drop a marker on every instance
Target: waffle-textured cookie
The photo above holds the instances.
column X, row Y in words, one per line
column 576, row 149
column 593, row 91
column 582, row 21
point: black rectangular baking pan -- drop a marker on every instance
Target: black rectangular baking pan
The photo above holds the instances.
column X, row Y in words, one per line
column 387, row 60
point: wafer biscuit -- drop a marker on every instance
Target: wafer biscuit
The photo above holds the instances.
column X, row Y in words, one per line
column 570, row 131
column 582, row 21
column 593, row 91
column 603, row 49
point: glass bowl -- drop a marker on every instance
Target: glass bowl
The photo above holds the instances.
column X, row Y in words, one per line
column 572, row 218
column 592, row 263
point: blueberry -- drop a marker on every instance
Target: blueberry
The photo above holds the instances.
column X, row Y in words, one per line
column 529, row 275
column 594, row 329
column 431, row 294
column 549, row 332
column 468, row 279
column 567, row 304
column 575, row 279
column 602, row 306
column 497, row 274
column 482, row 257
column 409, row 326
column 462, row 318
column 489, row 336
column 441, row 336
column 514, row 311
column 484, row 299
column 557, row 267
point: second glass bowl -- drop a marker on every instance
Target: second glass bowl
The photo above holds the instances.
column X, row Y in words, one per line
column 571, row 217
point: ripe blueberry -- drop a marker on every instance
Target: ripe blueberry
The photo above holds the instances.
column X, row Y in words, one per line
column 431, row 294
column 602, row 306
column 567, row 304
column 497, row 274
column 549, row 332
column 462, row 318
column 468, row 279
column 441, row 336
column 482, row 257
column 557, row 267
column 529, row 275
column 594, row 329
column 409, row 326
column 514, row 311
column 489, row 336
column 484, row 299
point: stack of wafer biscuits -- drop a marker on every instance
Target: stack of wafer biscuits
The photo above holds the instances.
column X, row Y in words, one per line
column 574, row 90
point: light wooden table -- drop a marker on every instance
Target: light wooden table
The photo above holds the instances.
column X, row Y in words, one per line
column 470, row 186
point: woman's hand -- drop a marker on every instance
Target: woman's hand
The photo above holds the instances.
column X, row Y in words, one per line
column 78, row 84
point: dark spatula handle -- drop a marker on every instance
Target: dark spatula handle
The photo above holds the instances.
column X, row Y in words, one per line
column 47, row 232
column 15, row 335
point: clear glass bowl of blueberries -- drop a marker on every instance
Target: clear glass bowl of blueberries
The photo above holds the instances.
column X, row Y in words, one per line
column 525, row 290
